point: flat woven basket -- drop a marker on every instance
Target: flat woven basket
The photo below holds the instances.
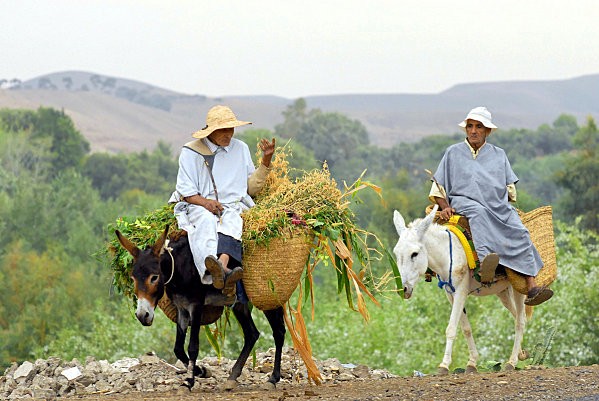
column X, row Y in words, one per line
column 272, row 272
column 540, row 224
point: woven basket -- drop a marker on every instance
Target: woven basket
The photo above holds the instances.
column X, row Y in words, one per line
column 540, row 224
column 210, row 313
column 168, row 308
column 272, row 272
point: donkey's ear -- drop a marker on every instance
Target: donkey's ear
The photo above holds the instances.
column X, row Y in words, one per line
column 128, row 245
column 157, row 248
column 426, row 223
column 400, row 223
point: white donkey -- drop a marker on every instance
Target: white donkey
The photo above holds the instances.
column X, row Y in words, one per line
column 426, row 244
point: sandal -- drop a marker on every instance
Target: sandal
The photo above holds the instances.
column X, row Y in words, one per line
column 231, row 280
column 538, row 295
column 215, row 268
column 487, row 268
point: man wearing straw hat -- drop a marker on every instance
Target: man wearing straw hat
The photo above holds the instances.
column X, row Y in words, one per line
column 215, row 180
column 475, row 179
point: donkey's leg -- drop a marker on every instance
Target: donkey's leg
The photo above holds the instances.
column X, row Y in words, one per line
column 459, row 300
column 277, row 324
column 508, row 301
column 250, row 336
column 193, row 348
column 514, row 302
column 179, row 350
column 472, row 351
column 182, row 324
column 467, row 330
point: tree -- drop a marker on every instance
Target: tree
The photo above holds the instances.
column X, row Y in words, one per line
column 41, row 294
column 107, row 173
column 294, row 116
column 154, row 173
column 302, row 159
column 332, row 137
column 579, row 177
column 68, row 146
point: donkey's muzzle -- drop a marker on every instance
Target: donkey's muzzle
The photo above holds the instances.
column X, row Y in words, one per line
column 144, row 312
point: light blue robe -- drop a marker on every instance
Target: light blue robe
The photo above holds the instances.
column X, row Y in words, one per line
column 477, row 189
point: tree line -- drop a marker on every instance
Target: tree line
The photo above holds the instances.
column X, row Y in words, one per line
column 56, row 199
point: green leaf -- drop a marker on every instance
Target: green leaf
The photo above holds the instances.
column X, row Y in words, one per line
column 271, row 286
column 212, row 340
column 396, row 275
column 332, row 233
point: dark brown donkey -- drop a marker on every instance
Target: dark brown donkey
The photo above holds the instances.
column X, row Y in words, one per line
column 155, row 271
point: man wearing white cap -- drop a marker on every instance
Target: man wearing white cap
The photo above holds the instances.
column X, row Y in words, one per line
column 215, row 181
column 475, row 179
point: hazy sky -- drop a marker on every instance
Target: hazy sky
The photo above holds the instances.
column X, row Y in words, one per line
column 301, row 48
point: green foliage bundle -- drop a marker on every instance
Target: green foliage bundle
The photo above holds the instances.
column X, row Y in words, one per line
column 143, row 231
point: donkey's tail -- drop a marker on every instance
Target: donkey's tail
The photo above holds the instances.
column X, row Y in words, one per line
column 528, row 310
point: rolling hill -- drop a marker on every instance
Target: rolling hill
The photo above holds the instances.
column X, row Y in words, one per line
column 122, row 115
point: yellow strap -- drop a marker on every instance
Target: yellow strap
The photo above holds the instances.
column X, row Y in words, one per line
column 454, row 219
column 470, row 253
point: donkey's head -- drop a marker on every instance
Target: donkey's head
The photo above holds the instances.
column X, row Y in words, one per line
column 146, row 275
column 410, row 252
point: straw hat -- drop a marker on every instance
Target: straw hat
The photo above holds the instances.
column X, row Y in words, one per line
column 219, row 117
column 479, row 114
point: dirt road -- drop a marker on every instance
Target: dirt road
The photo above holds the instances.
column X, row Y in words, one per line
column 571, row 383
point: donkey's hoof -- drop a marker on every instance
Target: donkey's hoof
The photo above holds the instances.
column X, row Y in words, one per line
column 229, row 385
column 268, row 386
column 509, row 367
column 189, row 382
column 442, row 371
column 471, row 369
column 202, row 372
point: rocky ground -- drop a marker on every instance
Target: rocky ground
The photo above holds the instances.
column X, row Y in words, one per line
column 150, row 378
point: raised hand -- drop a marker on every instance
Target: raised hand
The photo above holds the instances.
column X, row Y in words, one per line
column 268, row 149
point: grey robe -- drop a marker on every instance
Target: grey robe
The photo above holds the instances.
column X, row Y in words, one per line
column 477, row 189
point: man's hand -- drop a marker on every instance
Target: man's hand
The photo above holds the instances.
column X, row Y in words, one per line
column 446, row 213
column 213, row 206
column 268, row 149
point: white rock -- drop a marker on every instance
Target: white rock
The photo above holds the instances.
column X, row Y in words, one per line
column 123, row 365
column 23, row 371
column 72, row 373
